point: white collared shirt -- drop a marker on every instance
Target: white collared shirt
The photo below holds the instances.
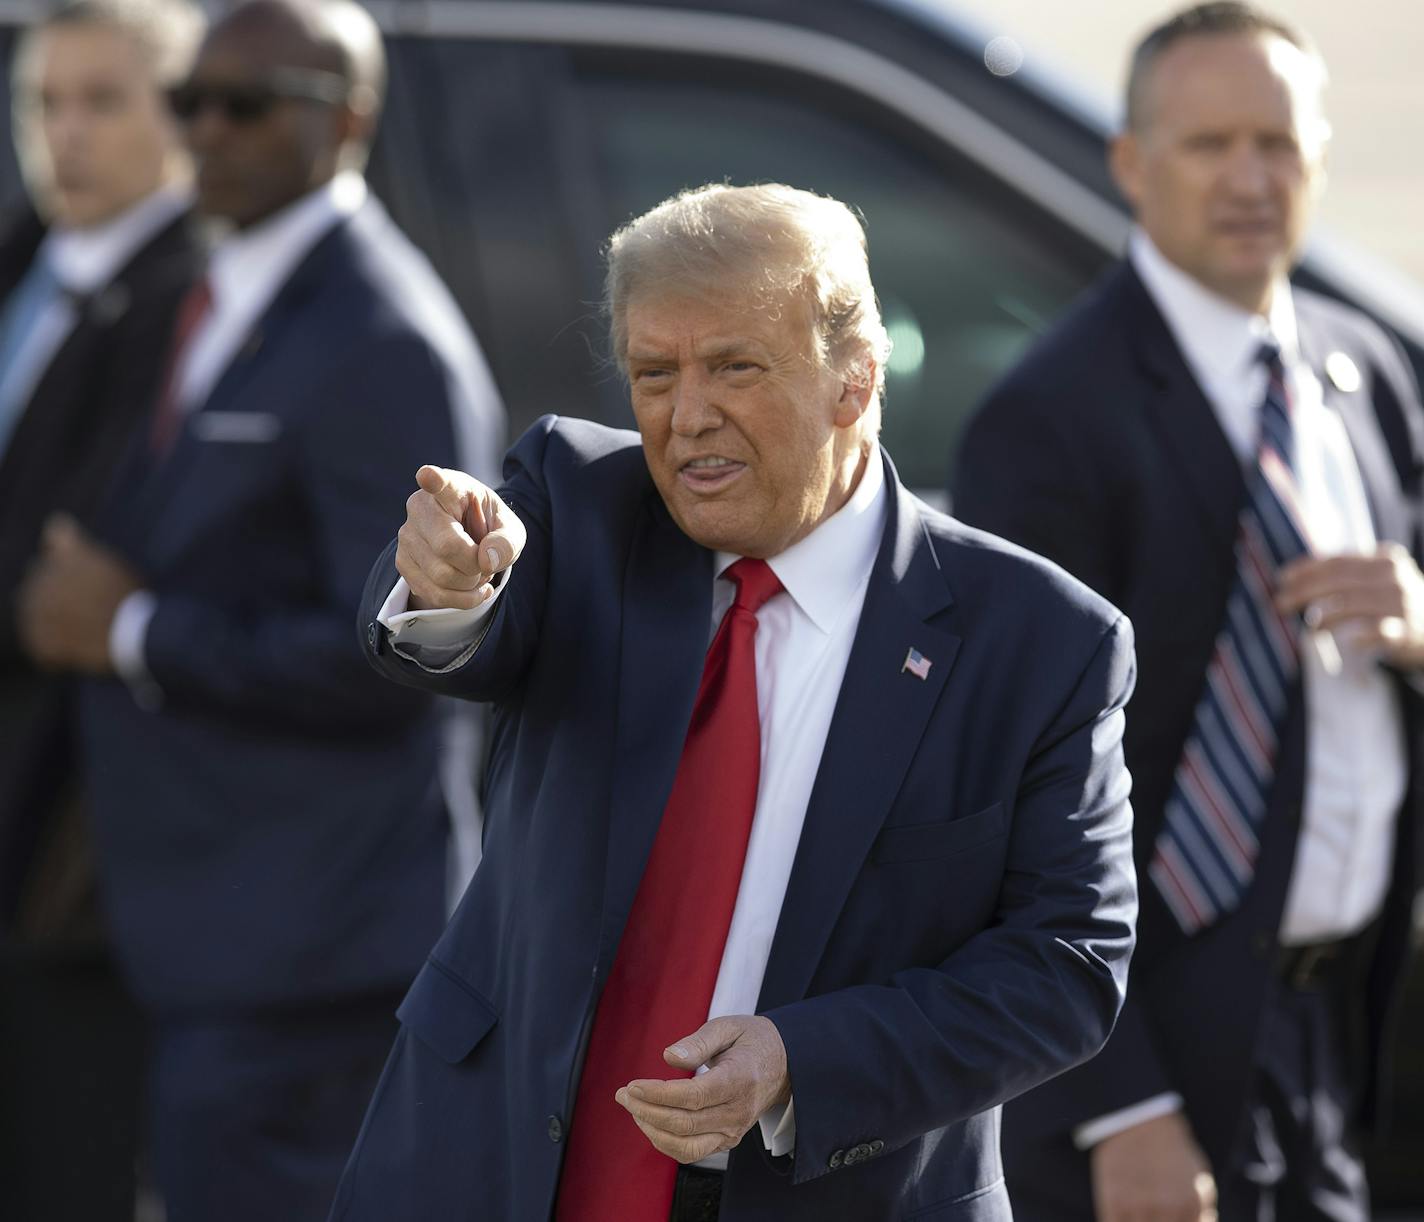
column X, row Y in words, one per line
column 1356, row 761
column 803, row 644
column 83, row 262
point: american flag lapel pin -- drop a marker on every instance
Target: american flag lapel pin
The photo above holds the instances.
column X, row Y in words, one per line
column 917, row 664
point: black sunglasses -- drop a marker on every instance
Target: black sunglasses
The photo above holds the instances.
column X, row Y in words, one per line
column 252, row 101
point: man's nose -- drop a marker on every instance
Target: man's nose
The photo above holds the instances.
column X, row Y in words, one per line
column 65, row 130
column 1246, row 173
column 693, row 408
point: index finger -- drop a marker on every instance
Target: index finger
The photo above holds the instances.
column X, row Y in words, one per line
column 446, row 487
column 1312, row 577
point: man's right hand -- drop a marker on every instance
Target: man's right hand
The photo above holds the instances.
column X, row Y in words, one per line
column 457, row 536
column 1153, row 1172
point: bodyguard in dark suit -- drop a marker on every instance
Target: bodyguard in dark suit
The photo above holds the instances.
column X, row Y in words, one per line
column 87, row 299
column 1236, row 464
column 271, row 832
column 871, row 870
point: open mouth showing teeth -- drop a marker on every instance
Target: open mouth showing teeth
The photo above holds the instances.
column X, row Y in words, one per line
column 710, row 474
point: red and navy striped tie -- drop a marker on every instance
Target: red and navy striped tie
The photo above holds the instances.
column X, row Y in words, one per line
column 1205, row 855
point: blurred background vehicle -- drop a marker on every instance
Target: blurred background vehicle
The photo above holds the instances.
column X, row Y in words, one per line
column 519, row 134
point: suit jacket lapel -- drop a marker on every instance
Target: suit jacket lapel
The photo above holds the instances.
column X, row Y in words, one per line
column 1183, row 418
column 880, row 717
column 1378, row 473
column 306, row 279
column 667, row 617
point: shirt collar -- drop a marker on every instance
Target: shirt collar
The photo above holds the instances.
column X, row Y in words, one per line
column 1217, row 336
column 251, row 263
column 84, row 260
column 824, row 571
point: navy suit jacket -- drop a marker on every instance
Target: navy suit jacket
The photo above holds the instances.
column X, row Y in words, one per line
column 60, row 458
column 959, row 915
column 1101, row 452
column 273, row 832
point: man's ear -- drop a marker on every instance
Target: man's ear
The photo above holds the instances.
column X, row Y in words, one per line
column 356, row 121
column 1125, row 164
column 857, row 391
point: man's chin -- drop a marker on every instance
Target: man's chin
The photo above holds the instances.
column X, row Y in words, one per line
column 1247, row 281
column 713, row 526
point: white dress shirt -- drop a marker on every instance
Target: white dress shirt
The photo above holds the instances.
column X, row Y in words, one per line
column 1356, row 761
column 803, row 644
column 245, row 272
column 83, row 262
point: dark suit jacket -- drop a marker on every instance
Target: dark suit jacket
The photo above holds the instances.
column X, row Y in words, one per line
column 1100, row 452
column 959, row 914
column 273, row 833
column 61, row 456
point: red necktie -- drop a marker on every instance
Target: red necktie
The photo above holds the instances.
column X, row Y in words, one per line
column 667, row 963
column 168, row 415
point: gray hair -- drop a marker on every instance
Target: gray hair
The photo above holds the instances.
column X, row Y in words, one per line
column 166, row 32
column 1220, row 17
column 770, row 240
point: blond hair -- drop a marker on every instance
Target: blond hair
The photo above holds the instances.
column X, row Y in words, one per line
column 770, row 241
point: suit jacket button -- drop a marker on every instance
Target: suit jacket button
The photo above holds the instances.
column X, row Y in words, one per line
column 876, row 1146
column 837, row 1159
column 373, row 636
column 556, row 1130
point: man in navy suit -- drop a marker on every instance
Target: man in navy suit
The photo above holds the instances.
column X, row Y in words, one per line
column 272, row 837
column 1134, row 445
column 870, row 870
column 90, row 280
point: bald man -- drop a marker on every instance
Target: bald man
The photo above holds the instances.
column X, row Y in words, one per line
column 272, row 837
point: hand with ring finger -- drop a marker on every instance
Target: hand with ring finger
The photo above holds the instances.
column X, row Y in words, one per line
column 1377, row 599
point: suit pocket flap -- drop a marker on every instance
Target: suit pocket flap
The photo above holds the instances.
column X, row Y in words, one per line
column 927, row 841
column 445, row 1013
column 245, row 428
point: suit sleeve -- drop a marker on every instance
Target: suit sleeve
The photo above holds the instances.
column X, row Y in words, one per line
column 1031, row 995
column 386, row 410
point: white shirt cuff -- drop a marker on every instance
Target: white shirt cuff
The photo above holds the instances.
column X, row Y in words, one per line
column 128, row 632
column 437, row 627
column 778, row 1128
column 1086, row 1136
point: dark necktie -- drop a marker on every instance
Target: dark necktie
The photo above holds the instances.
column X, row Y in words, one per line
column 168, row 412
column 1205, row 856
column 666, row 968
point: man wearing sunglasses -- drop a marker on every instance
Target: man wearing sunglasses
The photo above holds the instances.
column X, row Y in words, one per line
column 271, row 833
